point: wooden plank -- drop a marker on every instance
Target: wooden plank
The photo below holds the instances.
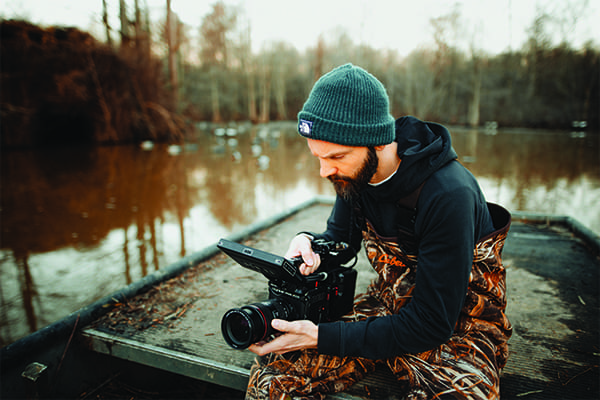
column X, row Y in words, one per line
column 178, row 362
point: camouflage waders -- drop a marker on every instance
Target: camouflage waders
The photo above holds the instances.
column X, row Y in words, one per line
column 467, row 366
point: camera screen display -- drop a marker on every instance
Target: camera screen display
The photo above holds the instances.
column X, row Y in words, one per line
column 272, row 266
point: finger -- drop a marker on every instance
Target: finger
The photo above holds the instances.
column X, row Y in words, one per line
column 309, row 269
column 257, row 349
column 277, row 345
column 297, row 245
column 308, row 256
column 262, row 348
column 281, row 325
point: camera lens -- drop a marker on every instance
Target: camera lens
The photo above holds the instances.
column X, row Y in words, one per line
column 249, row 324
column 243, row 326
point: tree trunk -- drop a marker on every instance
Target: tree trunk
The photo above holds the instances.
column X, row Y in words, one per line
column 266, row 95
column 124, row 24
column 147, row 29
column 249, row 69
column 252, row 111
column 280, row 94
column 474, row 104
column 139, row 36
column 106, row 25
column 214, row 92
column 172, row 58
column 319, row 55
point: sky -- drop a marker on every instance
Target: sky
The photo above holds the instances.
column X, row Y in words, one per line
column 403, row 25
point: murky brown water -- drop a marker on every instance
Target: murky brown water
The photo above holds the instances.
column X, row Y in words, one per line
column 78, row 224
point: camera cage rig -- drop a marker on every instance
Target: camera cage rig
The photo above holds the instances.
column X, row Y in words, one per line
column 319, row 297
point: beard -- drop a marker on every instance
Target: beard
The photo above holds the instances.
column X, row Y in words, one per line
column 349, row 188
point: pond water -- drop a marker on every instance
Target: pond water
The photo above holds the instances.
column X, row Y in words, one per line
column 80, row 223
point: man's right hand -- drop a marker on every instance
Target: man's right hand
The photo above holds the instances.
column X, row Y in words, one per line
column 300, row 246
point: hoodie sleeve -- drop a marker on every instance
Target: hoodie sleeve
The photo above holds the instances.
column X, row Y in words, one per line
column 445, row 226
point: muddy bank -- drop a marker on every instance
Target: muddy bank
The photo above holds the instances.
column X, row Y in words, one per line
column 62, row 86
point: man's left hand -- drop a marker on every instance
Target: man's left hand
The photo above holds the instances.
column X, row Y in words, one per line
column 297, row 335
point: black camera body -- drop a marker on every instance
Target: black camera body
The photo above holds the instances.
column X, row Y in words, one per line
column 320, row 297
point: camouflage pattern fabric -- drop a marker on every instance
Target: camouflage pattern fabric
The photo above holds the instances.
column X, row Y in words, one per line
column 466, row 367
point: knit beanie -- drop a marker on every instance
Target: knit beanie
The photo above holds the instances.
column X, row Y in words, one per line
column 347, row 106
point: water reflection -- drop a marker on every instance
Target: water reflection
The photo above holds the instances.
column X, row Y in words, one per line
column 536, row 171
column 78, row 224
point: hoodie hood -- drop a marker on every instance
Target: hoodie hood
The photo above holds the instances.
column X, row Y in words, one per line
column 423, row 147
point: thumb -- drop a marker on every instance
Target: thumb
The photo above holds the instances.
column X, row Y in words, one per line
column 307, row 256
column 281, row 325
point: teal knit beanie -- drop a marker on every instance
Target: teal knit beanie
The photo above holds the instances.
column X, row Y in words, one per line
column 347, row 106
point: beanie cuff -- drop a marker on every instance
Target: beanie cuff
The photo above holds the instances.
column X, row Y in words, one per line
column 348, row 134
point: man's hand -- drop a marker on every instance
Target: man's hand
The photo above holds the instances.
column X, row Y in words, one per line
column 297, row 335
column 300, row 246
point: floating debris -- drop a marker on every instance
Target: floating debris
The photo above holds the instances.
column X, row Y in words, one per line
column 147, row 145
column 190, row 147
column 263, row 133
column 256, row 150
column 236, row 156
column 220, row 132
column 491, row 128
column 231, row 132
column 174, row 149
column 263, row 162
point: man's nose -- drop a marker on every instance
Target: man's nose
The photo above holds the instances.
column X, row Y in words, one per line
column 326, row 169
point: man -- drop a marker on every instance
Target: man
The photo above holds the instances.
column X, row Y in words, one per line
column 435, row 314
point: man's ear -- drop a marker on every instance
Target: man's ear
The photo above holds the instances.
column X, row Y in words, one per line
column 380, row 147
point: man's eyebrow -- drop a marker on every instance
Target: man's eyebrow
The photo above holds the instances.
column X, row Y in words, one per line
column 335, row 153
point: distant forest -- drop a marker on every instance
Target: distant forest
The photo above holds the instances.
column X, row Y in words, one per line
column 144, row 81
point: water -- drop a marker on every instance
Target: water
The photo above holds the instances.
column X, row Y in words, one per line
column 78, row 224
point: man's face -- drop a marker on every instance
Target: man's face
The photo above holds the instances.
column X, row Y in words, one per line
column 348, row 168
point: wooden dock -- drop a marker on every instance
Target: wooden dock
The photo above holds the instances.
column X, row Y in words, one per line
column 553, row 304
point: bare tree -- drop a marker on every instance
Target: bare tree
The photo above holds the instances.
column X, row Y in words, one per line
column 566, row 16
column 446, row 32
column 476, row 64
column 142, row 31
column 248, row 66
column 420, row 89
column 106, row 24
column 137, row 24
column 172, row 49
column 475, row 100
column 124, row 24
column 214, row 32
column 281, row 57
column 537, row 43
column 319, row 55
column 265, row 85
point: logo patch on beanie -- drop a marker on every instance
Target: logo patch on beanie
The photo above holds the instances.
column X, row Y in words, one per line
column 305, row 127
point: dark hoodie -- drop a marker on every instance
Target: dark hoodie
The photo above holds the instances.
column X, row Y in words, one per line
column 452, row 216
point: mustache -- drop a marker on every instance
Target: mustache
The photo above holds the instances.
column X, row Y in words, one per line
column 339, row 178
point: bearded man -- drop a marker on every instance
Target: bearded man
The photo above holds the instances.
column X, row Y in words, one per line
column 435, row 314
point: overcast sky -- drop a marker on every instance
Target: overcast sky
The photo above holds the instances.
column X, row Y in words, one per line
column 497, row 25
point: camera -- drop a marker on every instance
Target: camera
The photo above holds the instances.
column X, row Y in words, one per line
column 323, row 296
